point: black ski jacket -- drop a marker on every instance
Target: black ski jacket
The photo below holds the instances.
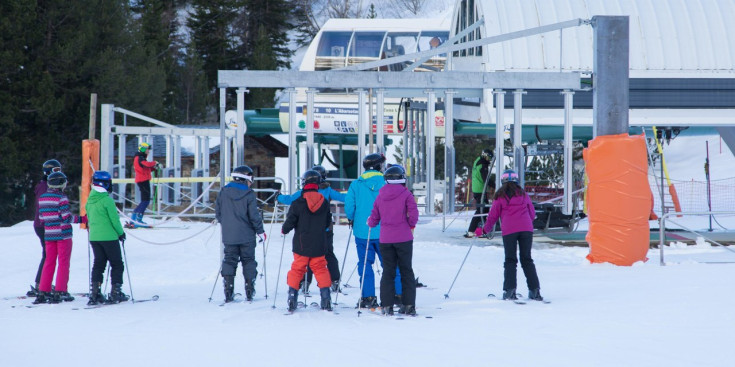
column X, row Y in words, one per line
column 310, row 217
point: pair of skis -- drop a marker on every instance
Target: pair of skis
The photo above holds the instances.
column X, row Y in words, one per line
column 517, row 301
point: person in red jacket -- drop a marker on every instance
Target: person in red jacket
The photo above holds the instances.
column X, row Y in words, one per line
column 143, row 169
column 513, row 206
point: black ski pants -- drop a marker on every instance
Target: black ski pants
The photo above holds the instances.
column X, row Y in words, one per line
column 397, row 255
column 107, row 251
column 40, row 232
column 520, row 242
column 244, row 253
column 332, row 262
column 480, row 212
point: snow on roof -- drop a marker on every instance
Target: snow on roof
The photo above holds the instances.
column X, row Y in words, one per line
column 668, row 38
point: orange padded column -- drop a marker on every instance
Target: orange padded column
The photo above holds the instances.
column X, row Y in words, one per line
column 90, row 163
column 618, row 199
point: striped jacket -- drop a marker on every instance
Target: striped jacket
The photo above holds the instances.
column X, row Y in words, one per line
column 53, row 210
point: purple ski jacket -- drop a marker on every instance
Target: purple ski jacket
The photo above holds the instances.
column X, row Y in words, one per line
column 395, row 209
column 516, row 215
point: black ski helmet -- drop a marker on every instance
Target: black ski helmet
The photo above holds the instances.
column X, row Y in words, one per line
column 373, row 161
column 487, row 154
column 103, row 180
column 395, row 175
column 50, row 166
column 322, row 171
column 510, row 175
column 311, row 177
column 57, row 180
column 242, row 174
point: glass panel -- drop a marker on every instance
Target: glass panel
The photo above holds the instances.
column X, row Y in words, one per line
column 367, row 44
column 429, row 40
column 397, row 44
column 333, row 44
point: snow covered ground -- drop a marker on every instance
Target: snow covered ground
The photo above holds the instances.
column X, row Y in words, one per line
column 601, row 315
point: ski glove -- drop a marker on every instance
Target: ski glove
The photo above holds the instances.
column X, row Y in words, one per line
column 479, row 232
column 262, row 237
column 158, row 166
column 121, row 238
column 83, row 219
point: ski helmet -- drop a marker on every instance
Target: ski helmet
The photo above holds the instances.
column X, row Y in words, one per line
column 322, row 171
column 144, row 147
column 510, row 175
column 57, row 180
column 395, row 175
column 487, row 154
column 373, row 161
column 311, row 177
column 242, row 174
column 103, row 180
column 50, row 166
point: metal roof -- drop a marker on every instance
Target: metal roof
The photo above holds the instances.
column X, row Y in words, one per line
column 668, row 38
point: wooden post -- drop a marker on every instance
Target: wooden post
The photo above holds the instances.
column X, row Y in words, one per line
column 92, row 116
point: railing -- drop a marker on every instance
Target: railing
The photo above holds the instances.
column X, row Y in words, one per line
column 662, row 229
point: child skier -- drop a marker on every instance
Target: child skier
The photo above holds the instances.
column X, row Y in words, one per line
column 143, row 169
column 482, row 188
column 105, row 235
column 358, row 205
column 395, row 208
column 49, row 167
column 236, row 210
column 309, row 215
column 514, row 208
column 329, row 194
column 53, row 208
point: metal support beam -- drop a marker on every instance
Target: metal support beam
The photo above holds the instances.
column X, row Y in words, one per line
column 519, row 157
column 240, row 137
column 222, row 138
column 107, row 120
column 361, row 123
column 310, row 128
column 292, row 145
column 380, row 119
column 568, row 145
column 499, row 135
column 450, row 41
column 610, row 78
column 449, row 152
column 430, row 152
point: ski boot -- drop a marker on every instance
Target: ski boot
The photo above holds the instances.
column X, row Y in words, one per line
column 95, row 295
column 33, row 292
column 409, row 310
column 249, row 289
column 42, row 297
column 469, row 234
column 509, row 294
column 387, row 310
column 535, row 294
column 398, row 301
column 117, row 295
column 229, row 283
column 335, row 286
column 326, row 299
column 64, row 296
column 293, row 294
column 368, row 302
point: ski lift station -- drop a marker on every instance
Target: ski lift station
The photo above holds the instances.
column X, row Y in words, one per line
column 543, row 76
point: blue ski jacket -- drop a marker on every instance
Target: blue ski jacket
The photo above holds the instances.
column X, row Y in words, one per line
column 328, row 192
column 359, row 203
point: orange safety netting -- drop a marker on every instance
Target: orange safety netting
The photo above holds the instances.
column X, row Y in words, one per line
column 618, row 199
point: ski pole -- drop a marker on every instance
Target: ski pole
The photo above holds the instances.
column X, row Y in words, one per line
column 351, row 274
column 107, row 277
column 89, row 263
column 364, row 268
column 275, row 294
column 305, row 285
column 446, row 295
column 342, row 272
column 215, row 282
column 265, row 250
column 127, row 270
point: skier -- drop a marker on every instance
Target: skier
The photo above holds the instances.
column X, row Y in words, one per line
column 237, row 211
column 329, row 194
column 105, row 235
column 514, row 208
column 53, row 208
column 143, row 169
column 49, row 167
column 309, row 215
column 481, row 193
column 395, row 208
column 358, row 205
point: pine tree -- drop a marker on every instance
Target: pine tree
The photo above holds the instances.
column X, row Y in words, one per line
column 372, row 14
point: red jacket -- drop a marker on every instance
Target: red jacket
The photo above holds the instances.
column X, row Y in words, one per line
column 143, row 168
